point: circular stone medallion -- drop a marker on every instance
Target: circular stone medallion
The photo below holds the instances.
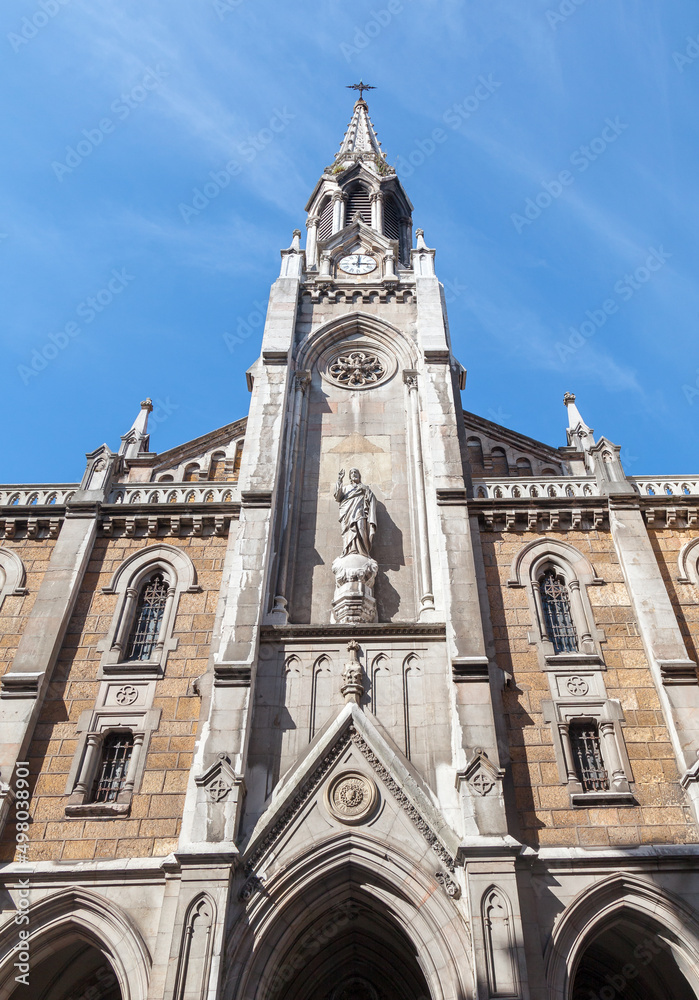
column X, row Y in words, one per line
column 356, row 365
column 351, row 797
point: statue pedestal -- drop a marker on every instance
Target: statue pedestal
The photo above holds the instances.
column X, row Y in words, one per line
column 354, row 589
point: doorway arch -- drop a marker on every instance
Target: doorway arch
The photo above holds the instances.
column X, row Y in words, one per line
column 629, row 959
column 79, row 969
column 349, row 918
column 625, row 928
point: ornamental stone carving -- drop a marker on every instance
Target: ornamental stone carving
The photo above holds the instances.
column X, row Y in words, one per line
column 577, row 686
column 355, row 570
column 356, row 369
column 351, row 797
column 352, row 677
column 356, row 366
column 127, row 695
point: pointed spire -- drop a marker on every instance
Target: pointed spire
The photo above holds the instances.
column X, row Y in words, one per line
column 136, row 439
column 579, row 434
column 360, row 141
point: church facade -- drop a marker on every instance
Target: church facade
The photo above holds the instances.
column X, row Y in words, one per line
column 361, row 697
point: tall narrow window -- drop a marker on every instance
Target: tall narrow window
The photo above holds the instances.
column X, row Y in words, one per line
column 116, row 754
column 148, row 618
column 555, row 601
column 587, row 756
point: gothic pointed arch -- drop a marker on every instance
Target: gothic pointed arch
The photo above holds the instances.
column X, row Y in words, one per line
column 353, row 326
column 78, row 914
column 194, row 959
column 367, row 910
column 634, row 903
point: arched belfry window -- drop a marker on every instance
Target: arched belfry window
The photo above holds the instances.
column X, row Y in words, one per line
column 558, row 619
column 148, row 618
column 117, row 749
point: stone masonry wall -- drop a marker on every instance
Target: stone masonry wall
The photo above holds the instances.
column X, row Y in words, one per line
column 544, row 811
column 153, row 825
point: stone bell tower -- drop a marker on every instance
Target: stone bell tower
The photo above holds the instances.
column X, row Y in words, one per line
column 352, row 670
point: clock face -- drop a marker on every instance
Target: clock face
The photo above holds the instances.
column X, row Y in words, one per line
column 357, row 263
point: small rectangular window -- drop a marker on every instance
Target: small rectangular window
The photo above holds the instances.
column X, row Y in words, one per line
column 114, row 765
column 587, row 756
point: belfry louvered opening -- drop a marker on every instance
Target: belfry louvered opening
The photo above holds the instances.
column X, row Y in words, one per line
column 325, row 224
column 358, row 201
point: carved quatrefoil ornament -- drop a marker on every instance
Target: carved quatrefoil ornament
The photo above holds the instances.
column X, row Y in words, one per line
column 356, row 366
column 351, row 797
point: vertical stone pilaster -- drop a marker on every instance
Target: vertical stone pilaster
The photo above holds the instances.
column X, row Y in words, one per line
column 24, row 686
column 673, row 671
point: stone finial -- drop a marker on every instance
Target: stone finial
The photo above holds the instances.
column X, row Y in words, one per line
column 353, row 686
column 296, row 241
column 420, row 239
column 579, row 434
column 135, row 441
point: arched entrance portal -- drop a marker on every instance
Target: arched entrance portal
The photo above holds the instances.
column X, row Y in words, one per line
column 77, row 971
column 352, row 951
column 628, row 960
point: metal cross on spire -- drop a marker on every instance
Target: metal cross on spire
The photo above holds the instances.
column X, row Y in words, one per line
column 361, row 87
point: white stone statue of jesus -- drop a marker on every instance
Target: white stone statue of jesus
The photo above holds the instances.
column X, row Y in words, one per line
column 357, row 514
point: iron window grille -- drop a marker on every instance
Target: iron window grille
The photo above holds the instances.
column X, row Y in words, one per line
column 587, row 756
column 116, row 755
column 558, row 619
column 148, row 619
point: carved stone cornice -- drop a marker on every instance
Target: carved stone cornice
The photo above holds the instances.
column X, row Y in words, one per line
column 421, row 631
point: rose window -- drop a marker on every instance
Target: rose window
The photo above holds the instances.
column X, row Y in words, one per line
column 357, row 369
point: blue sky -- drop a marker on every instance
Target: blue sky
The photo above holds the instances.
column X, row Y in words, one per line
column 581, row 114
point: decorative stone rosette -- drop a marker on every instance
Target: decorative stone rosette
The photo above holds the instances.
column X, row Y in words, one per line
column 356, row 365
column 351, row 797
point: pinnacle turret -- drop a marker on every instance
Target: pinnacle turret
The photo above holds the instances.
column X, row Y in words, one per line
column 360, row 141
